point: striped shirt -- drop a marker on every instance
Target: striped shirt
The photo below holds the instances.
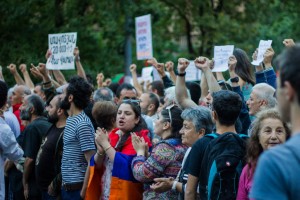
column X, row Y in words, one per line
column 78, row 138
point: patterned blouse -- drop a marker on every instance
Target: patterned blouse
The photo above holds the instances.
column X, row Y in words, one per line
column 165, row 161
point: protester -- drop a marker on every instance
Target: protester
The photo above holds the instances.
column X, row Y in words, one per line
column 197, row 123
column 9, row 148
column 78, row 138
column 32, row 110
column 165, row 158
column 117, row 146
column 277, row 172
column 267, row 131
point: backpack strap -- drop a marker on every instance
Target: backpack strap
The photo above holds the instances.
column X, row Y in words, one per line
column 212, row 135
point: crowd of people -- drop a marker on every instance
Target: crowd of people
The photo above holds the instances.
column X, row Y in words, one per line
column 217, row 139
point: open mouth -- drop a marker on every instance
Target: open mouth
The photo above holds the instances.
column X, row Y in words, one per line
column 121, row 122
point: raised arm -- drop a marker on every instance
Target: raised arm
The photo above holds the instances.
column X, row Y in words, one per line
column 1, row 74
column 170, row 68
column 13, row 70
column 80, row 70
column 180, row 88
column 28, row 81
column 136, row 84
column 58, row 75
column 203, row 64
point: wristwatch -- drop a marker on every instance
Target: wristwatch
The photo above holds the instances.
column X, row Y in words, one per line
column 181, row 74
column 234, row 80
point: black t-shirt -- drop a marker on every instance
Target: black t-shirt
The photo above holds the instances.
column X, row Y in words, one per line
column 33, row 135
column 196, row 155
column 45, row 161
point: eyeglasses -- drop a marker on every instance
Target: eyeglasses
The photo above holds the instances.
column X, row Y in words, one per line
column 132, row 101
column 169, row 110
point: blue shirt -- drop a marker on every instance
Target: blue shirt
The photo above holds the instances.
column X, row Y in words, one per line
column 277, row 175
column 78, row 138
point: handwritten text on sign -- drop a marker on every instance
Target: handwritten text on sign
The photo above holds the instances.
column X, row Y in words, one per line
column 62, row 47
column 221, row 56
column 143, row 37
column 262, row 48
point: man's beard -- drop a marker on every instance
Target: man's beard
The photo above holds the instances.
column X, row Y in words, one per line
column 65, row 104
column 53, row 118
column 25, row 114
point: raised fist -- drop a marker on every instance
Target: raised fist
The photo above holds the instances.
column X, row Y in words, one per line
column 202, row 63
column 169, row 66
column 23, row 68
column 132, row 68
column 183, row 63
column 288, row 42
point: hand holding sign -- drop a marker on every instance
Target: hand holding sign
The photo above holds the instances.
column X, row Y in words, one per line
column 254, row 55
column 76, row 53
column 268, row 56
column 152, row 61
column 262, row 47
column 48, row 54
column 182, row 65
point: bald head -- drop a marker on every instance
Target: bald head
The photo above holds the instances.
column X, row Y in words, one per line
column 18, row 93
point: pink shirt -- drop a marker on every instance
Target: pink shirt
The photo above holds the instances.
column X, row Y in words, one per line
column 245, row 184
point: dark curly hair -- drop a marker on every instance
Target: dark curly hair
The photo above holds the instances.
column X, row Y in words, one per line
column 176, row 121
column 81, row 91
column 254, row 148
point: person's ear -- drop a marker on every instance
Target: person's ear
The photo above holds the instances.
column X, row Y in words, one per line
column 214, row 115
column 289, row 91
column 201, row 132
column 70, row 98
column 151, row 107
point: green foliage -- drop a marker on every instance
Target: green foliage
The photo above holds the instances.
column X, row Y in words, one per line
column 101, row 29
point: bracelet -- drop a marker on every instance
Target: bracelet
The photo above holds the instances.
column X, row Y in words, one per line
column 100, row 154
column 47, row 83
column 181, row 74
column 174, row 185
column 107, row 148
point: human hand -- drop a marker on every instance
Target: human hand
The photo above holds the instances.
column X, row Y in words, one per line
column 268, row 56
column 139, row 144
column 76, row 53
column 107, row 82
column 12, row 68
column 48, row 54
column 202, row 63
column 51, row 190
column 160, row 69
column 183, row 63
column 100, row 78
column 36, row 72
column 288, row 42
column 26, row 191
column 152, row 61
column 162, row 184
column 169, row 66
column 254, row 55
column 101, row 138
column 232, row 63
column 132, row 68
column 23, row 68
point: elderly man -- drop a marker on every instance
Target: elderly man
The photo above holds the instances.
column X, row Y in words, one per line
column 261, row 97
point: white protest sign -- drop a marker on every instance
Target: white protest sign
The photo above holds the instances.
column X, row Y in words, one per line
column 221, row 56
column 61, row 46
column 192, row 72
column 262, row 47
column 143, row 35
column 146, row 74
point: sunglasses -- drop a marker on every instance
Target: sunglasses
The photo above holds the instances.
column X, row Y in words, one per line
column 132, row 101
column 169, row 110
